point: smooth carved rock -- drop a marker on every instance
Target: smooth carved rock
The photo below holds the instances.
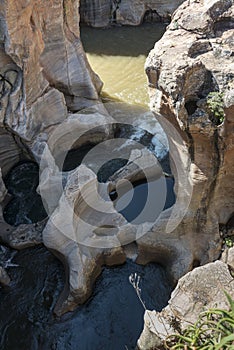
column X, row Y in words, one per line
column 188, row 300
column 85, row 231
column 96, row 13
column 132, row 12
column 141, row 164
column 43, row 73
column 44, row 69
column 10, row 151
column 3, row 190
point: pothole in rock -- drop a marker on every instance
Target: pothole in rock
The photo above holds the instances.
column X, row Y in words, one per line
column 100, row 159
column 144, row 201
column 25, row 206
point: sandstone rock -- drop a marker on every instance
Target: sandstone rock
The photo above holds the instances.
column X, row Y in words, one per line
column 102, row 13
column 141, row 164
column 11, row 151
column 43, row 64
column 25, row 236
column 194, row 58
column 3, row 190
column 43, row 73
column 191, row 296
column 85, row 231
column 182, row 70
column 133, row 12
column 228, row 257
column 96, row 13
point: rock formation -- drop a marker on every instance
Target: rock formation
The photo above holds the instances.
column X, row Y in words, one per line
column 101, row 13
column 44, row 74
column 191, row 84
column 44, row 71
column 182, row 74
column 45, row 79
column 188, row 300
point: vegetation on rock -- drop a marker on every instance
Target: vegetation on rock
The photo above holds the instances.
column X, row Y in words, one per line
column 214, row 330
column 215, row 106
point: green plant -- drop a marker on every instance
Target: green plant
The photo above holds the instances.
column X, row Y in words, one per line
column 215, row 106
column 214, row 330
column 229, row 241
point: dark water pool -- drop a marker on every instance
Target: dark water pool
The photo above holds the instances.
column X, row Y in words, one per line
column 111, row 319
column 26, row 206
column 146, row 200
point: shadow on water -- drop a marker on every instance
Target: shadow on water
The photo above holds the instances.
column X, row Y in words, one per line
column 136, row 205
column 111, row 319
column 25, row 206
column 122, row 40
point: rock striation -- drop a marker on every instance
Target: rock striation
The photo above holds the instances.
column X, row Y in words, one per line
column 102, row 13
column 44, row 74
column 44, row 71
column 183, row 75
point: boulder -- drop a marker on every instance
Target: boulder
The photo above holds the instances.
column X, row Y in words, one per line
column 191, row 296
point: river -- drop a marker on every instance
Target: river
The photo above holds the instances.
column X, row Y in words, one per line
column 118, row 55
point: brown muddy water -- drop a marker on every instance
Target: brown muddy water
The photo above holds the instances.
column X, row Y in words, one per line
column 118, row 56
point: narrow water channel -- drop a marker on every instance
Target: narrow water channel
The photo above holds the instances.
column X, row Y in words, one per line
column 118, row 56
column 113, row 317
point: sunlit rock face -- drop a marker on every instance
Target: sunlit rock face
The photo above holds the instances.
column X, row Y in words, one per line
column 44, row 75
column 44, row 70
column 189, row 299
column 101, row 13
column 190, row 65
column 193, row 59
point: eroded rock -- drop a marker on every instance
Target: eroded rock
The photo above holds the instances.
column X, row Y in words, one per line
column 102, row 13
column 44, row 70
column 43, row 73
column 193, row 59
column 182, row 70
column 191, row 296
column 85, row 231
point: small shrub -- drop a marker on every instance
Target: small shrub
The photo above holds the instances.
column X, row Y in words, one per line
column 228, row 241
column 215, row 106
